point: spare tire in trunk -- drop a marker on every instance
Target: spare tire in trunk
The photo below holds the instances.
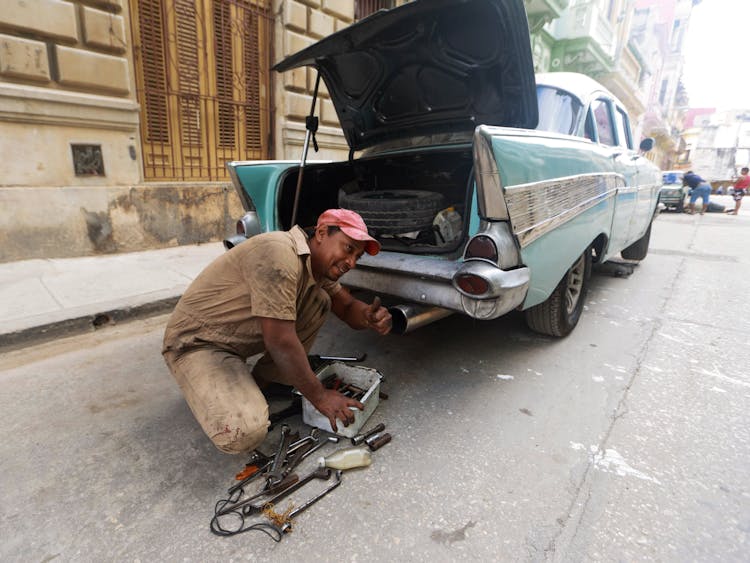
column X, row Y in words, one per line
column 395, row 211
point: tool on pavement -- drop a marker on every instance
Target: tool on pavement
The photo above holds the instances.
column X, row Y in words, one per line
column 359, row 438
column 238, row 487
column 286, row 525
column 378, row 441
column 275, row 473
column 311, row 438
column 319, row 473
column 226, row 506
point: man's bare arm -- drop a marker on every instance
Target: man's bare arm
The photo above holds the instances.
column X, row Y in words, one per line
column 289, row 355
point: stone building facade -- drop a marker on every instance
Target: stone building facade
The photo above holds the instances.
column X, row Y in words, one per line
column 117, row 116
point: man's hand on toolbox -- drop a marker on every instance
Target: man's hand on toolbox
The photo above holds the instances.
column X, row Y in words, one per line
column 333, row 405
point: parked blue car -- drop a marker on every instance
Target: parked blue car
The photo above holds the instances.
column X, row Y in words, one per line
column 672, row 193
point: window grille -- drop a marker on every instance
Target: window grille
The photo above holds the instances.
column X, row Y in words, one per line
column 202, row 77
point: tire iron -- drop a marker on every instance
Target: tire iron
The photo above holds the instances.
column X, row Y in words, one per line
column 287, row 526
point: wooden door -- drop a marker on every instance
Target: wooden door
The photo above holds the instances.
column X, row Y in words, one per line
column 202, row 78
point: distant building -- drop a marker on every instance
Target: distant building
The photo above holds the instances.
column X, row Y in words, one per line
column 721, row 145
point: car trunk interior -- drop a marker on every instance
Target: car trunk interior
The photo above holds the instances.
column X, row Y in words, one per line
column 399, row 197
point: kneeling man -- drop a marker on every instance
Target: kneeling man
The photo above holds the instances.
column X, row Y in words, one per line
column 270, row 294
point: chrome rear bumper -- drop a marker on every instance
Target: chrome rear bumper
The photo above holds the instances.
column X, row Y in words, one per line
column 429, row 282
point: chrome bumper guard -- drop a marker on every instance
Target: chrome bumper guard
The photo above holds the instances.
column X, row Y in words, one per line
column 429, row 281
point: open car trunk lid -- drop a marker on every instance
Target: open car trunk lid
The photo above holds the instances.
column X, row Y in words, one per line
column 429, row 66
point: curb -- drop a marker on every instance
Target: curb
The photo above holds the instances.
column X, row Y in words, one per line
column 86, row 323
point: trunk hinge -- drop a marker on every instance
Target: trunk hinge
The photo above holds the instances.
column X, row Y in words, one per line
column 311, row 126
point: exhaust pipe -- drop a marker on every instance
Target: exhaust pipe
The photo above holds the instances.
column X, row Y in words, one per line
column 231, row 242
column 410, row 317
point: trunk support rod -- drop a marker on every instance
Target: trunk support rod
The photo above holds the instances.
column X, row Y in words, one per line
column 311, row 125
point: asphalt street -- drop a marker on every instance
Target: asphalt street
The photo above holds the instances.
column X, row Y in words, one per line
column 628, row 440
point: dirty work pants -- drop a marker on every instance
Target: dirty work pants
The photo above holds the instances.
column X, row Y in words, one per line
column 224, row 395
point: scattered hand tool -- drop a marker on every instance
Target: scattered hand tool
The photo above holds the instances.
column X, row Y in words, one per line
column 312, row 438
column 316, row 362
column 378, row 441
column 287, row 525
column 359, row 438
column 228, row 506
column 237, row 487
column 361, row 358
column 331, row 439
column 275, row 474
column 319, row 473
column 247, row 472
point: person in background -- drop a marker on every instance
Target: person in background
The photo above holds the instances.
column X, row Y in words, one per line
column 740, row 189
column 700, row 189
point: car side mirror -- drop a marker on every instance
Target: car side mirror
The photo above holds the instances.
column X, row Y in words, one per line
column 647, row 144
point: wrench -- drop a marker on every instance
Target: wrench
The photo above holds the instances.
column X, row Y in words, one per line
column 287, row 526
column 312, row 438
column 274, row 475
column 331, row 439
column 287, row 483
column 321, row 473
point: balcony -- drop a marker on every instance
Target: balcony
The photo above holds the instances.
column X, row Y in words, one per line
column 586, row 20
column 586, row 41
column 541, row 12
column 624, row 80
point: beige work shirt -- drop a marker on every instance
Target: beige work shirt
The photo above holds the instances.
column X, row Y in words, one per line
column 268, row 276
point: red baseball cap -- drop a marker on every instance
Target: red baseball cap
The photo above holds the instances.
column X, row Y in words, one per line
column 352, row 225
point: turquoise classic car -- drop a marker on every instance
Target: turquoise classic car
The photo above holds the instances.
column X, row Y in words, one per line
column 490, row 190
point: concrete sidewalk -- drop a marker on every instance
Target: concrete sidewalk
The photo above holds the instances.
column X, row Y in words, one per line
column 44, row 299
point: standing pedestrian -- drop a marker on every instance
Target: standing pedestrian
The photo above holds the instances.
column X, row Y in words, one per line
column 700, row 189
column 740, row 189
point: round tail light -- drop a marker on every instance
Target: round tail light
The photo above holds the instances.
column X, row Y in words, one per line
column 481, row 246
column 472, row 284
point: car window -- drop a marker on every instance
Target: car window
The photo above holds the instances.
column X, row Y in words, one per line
column 623, row 129
column 559, row 111
column 590, row 131
column 600, row 110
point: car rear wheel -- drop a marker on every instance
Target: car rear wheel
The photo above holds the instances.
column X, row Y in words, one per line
column 395, row 211
column 559, row 314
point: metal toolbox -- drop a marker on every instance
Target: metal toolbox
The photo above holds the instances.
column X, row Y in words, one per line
column 364, row 377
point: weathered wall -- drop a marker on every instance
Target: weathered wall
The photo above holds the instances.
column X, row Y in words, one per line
column 66, row 78
column 75, row 221
column 300, row 24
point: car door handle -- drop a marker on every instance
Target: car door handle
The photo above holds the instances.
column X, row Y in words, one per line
column 616, row 155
